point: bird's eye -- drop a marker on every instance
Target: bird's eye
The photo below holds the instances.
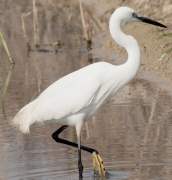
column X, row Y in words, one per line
column 134, row 15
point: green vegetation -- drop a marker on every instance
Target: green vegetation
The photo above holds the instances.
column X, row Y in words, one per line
column 3, row 42
column 5, row 86
column 4, row 89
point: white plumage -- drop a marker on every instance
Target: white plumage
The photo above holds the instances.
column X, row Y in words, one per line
column 75, row 97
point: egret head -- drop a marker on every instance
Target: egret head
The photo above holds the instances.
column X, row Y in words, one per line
column 126, row 14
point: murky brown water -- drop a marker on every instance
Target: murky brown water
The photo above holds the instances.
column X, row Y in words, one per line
column 133, row 131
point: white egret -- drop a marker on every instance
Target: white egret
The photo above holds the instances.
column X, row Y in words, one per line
column 78, row 96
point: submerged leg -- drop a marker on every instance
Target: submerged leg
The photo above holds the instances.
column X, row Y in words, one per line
column 97, row 161
column 79, row 126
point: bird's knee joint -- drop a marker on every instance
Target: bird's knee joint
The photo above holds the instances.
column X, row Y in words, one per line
column 55, row 136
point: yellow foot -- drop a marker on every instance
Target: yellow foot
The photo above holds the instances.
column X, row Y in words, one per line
column 98, row 162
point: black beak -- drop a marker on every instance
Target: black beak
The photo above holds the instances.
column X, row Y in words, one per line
column 147, row 20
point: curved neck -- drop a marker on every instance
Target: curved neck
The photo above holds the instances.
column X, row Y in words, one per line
column 128, row 42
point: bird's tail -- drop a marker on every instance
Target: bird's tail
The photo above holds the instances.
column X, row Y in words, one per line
column 23, row 119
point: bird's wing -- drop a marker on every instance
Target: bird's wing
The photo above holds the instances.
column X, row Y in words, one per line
column 69, row 101
column 67, row 96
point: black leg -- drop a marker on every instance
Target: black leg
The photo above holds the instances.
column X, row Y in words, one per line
column 97, row 161
column 55, row 136
column 80, row 166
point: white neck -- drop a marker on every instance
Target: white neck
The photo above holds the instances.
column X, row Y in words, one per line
column 129, row 43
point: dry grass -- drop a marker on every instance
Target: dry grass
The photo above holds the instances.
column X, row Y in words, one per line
column 87, row 28
column 70, row 15
column 23, row 15
column 35, row 22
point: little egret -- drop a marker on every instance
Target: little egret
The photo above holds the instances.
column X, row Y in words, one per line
column 76, row 97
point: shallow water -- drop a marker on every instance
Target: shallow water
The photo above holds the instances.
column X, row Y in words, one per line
column 132, row 132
